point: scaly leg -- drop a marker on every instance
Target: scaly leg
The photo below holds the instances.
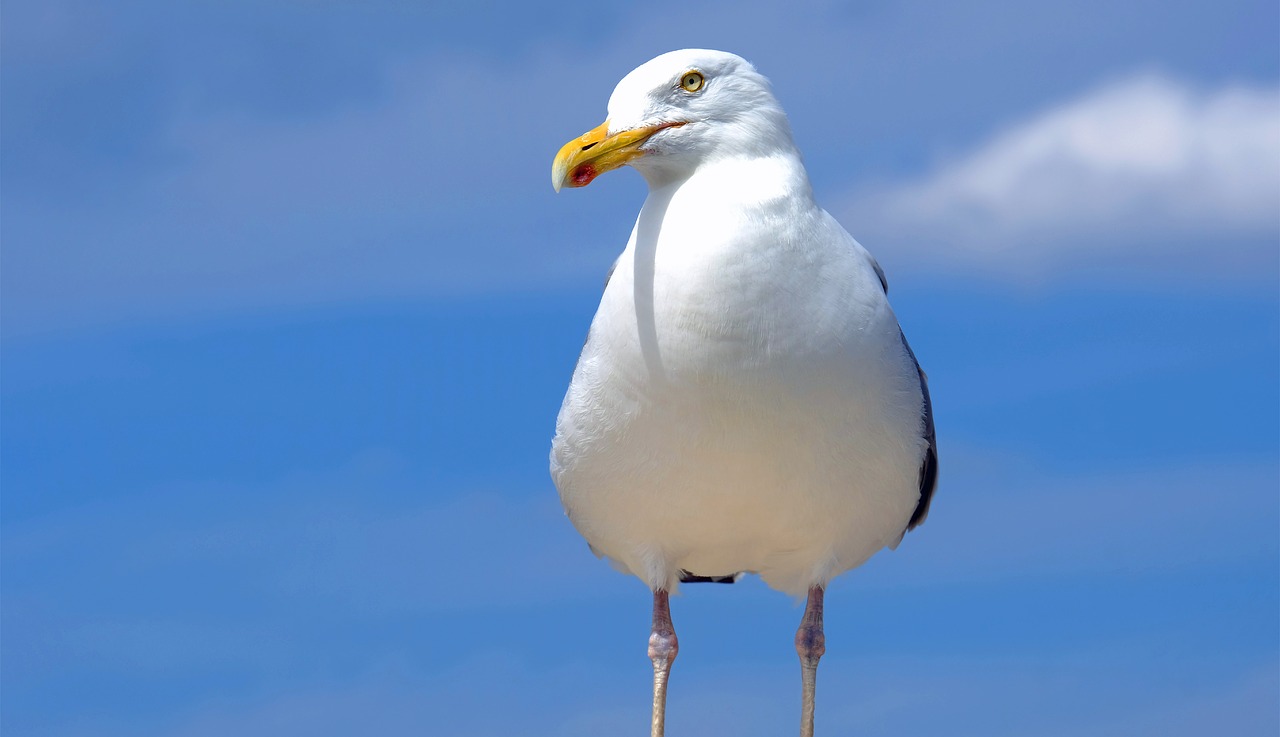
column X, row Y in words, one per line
column 810, row 644
column 662, row 651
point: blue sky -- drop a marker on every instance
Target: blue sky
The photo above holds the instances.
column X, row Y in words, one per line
column 288, row 308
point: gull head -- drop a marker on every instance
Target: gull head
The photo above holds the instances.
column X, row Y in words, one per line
column 674, row 113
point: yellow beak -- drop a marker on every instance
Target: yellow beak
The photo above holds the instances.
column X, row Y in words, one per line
column 596, row 152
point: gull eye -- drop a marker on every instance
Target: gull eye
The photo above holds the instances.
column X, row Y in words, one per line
column 691, row 81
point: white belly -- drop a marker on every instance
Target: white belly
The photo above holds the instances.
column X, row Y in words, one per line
column 740, row 438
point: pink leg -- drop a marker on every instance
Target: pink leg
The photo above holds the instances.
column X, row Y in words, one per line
column 811, row 643
column 662, row 651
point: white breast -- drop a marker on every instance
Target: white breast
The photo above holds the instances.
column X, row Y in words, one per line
column 744, row 401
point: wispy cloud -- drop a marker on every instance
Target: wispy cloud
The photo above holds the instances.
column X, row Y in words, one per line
column 1143, row 176
column 150, row 177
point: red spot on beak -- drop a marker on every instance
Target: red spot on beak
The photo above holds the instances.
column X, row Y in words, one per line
column 583, row 175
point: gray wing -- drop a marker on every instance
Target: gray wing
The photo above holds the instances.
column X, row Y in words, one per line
column 609, row 276
column 929, row 464
column 884, row 283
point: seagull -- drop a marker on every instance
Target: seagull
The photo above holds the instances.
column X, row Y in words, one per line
column 746, row 401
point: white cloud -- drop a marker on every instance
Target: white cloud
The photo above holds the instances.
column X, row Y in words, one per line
column 1145, row 175
column 435, row 184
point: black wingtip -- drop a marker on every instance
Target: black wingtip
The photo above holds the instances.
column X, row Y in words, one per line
column 929, row 465
column 928, row 482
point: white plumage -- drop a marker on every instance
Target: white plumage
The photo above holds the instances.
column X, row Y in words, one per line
column 745, row 400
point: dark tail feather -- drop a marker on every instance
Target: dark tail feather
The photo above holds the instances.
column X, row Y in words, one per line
column 687, row 577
